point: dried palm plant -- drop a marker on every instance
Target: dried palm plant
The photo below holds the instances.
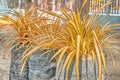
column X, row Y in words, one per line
column 78, row 39
column 68, row 34
column 32, row 31
column 27, row 25
column 26, row 28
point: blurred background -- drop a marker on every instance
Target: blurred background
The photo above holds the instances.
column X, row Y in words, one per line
column 56, row 5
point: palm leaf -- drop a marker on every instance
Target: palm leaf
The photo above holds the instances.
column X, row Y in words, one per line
column 68, row 58
column 68, row 66
column 77, row 58
column 98, row 57
column 61, row 56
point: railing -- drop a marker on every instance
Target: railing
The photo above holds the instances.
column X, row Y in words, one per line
column 55, row 5
column 113, row 8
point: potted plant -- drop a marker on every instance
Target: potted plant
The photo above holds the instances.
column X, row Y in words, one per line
column 67, row 38
column 79, row 39
column 26, row 30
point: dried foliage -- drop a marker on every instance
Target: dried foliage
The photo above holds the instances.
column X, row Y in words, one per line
column 68, row 34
